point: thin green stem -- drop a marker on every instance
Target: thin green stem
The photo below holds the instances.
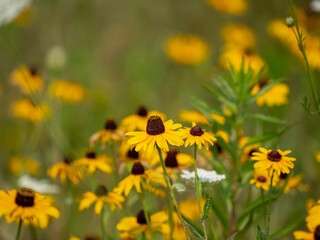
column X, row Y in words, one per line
column 33, row 233
column 146, row 215
column 198, row 191
column 102, row 224
column 302, row 49
column 171, row 223
column 264, row 208
column 269, row 207
column 173, row 198
column 19, row 229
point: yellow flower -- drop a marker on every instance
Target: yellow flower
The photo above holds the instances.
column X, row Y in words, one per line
column 224, row 135
column 27, row 79
column 91, row 163
column 134, row 226
column 276, row 96
column 29, row 206
column 239, row 35
column 273, row 160
column 156, row 133
column 110, row 132
column 197, row 117
column 101, row 197
column 247, row 151
column 197, row 135
column 317, row 156
column 234, row 56
column 69, row 92
column 294, row 182
column 262, row 179
column 139, row 120
column 235, row 7
column 66, row 169
column 16, row 165
column 134, row 179
column 129, row 154
column 187, row 49
column 87, row 237
column 25, row 109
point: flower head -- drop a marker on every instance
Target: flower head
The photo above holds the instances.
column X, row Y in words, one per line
column 273, row 160
column 156, row 133
column 100, row 198
column 197, row 135
column 29, row 206
column 197, row 117
column 203, row 175
column 262, row 179
column 293, row 182
column 68, row 92
column 235, row 7
column 187, row 49
column 27, row 79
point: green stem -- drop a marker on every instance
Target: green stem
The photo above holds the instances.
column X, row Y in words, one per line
column 102, row 224
column 171, row 223
column 264, row 208
column 146, row 215
column 173, row 198
column 302, row 49
column 19, row 229
column 198, row 191
column 33, row 233
column 269, row 207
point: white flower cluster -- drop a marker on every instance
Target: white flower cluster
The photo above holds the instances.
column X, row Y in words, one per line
column 10, row 9
column 315, row 5
column 203, row 175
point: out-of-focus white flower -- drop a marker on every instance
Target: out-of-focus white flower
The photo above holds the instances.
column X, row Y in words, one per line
column 315, row 5
column 42, row 186
column 203, row 175
column 10, row 9
column 56, row 57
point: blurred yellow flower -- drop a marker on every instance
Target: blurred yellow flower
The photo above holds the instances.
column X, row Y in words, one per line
column 16, row 166
column 66, row 91
column 317, row 156
column 24, row 108
column 294, row 182
column 261, row 179
column 235, row 7
column 26, row 16
column 276, row 96
column 90, row 163
column 247, row 151
column 197, row 117
column 224, row 135
column 238, row 35
column 187, row 49
column 27, row 79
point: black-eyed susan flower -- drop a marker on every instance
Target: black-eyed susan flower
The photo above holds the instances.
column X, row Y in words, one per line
column 110, row 132
column 273, row 160
column 134, row 179
column 17, row 165
column 27, row 79
column 197, row 117
column 87, row 237
column 139, row 120
column 29, row 206
column 247, row 151
column 156, row 133
column 134, row 226
column 69, row 92
column 67, row 170
column 235, row 7
column 293, row 182
column 187, row 49
column 129, row 154
column 197, row 135
column 276, row 96
column 91, row 162
column 100, row 198
column 26, row 109
column 262, row 179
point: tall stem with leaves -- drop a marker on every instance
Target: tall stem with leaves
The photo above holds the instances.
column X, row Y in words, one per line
column 19, row 229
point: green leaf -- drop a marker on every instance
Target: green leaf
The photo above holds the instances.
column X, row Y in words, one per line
column 196, row 230
column 261, row 234
column 263, row 90
column 288, row 229
column 222, row 216
column 233, row 237
column 268, row 136
column 266, row 118
column 207, row 208
column 220, row 97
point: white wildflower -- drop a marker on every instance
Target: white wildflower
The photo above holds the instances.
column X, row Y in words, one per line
column 315, row 5
column 56, row 57
column 203, row 175
column 10, row 9
column 41, row 186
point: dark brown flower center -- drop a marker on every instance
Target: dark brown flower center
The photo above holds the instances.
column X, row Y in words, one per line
column 67, row 159
column 218, row 147
column 141, row 218
column 137, row 169
column 25, row 197
column 252, row 151
column 92, row 237
column 171, row 159
column 33, row 70
column 110, row 125
column 155, row 126
column 262, row 82
column 274, row 156
column 262, row 179
column 101, row 190
column 249, row 51
column 196, row 131
column 132, row 153
column 283, row 176
column 91, row 155
column 142, row 111
column 317, row 233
